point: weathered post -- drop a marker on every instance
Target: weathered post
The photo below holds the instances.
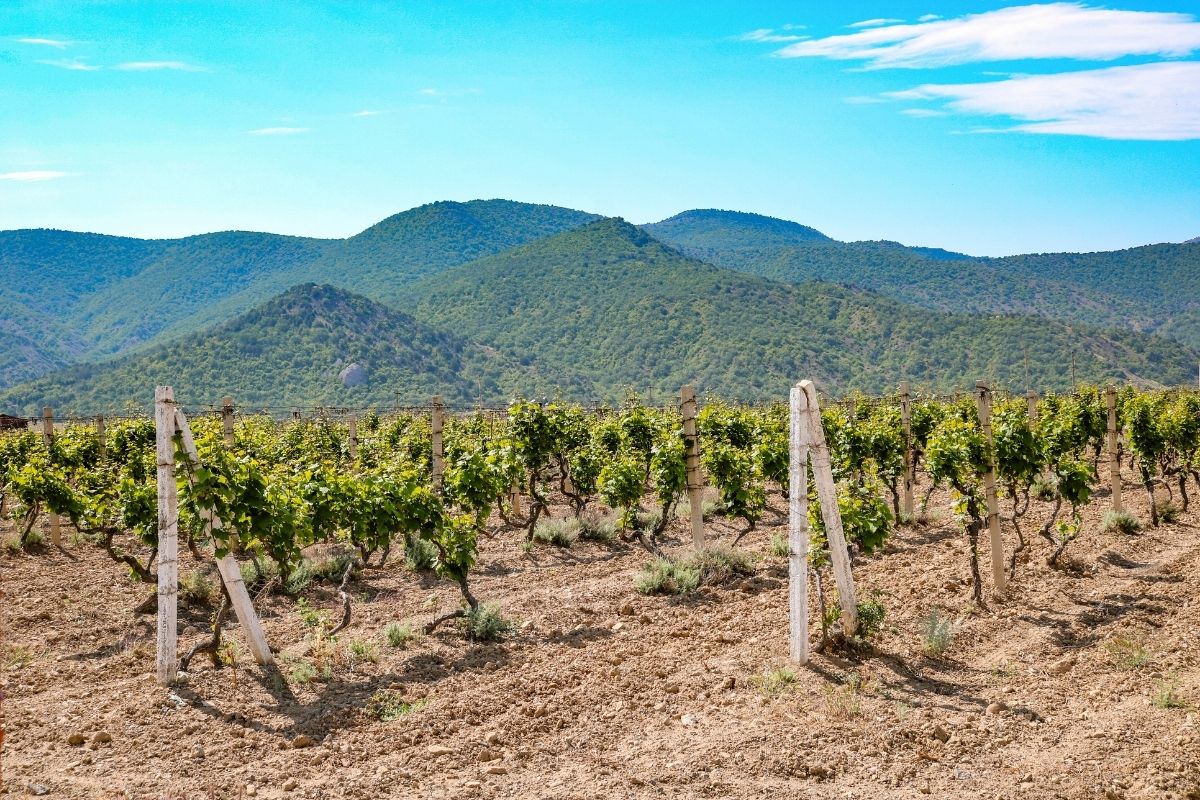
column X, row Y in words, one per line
column 439, row 455
column 101, row 442
column 1114, row 463
column 352, row 423
column 906, row 482
column 983, row 398
column 1031, row 398
column 48, row 440
column 227, row 419
column 168, row 533
column 695, row 486
column 798, row 528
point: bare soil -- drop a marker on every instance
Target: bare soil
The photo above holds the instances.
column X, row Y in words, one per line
column 1090, row 673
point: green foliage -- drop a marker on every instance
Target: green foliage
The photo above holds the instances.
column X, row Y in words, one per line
column 937, row 633
column 485, row 623
column 708, row 567
column 398, row 634
column 388, row 705
column 557, row 531
column 1121, row 522
column 664, row 576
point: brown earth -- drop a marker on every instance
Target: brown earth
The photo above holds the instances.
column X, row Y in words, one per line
column 604, row 693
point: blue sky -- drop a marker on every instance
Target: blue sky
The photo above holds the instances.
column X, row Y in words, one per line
column 996, row 128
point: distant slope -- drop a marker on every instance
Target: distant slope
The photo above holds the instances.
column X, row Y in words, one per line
column 610, row 302
column 288, row 351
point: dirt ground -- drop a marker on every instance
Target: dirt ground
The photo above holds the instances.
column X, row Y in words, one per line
column 1081, row 683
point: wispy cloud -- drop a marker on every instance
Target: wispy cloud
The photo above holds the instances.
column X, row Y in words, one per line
column 1144, row 102
column 61, row 44
column 368, row 112
column 928, row 17
column 1052, row 30
column 150, row 66
column 769, row 35
column 924, row 112
column 874, row 23
column 32, row 176
column 73, row 64
column 278, row 131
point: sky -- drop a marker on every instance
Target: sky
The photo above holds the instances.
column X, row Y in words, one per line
column 983, row 127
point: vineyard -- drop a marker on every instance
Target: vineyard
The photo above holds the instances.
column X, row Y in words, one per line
column 681, row 513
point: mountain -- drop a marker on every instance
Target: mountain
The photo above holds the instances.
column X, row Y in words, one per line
column 299, row 348
column 80, row 297
column 1135, row 288
column 619, row 308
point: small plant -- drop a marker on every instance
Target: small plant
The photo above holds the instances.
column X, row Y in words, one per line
column 17, row 656
column 1126, row 654
column 399, row 634
column 779, row 546
column 598, row 528
column 364, row 651
column 1121, row 522
column 196, row 588
column 708, row 567
column 843, row 702
column 311, row 617
column 719, row 564
column 557, row 531
column 1044, row 489
column 389, row 706
column 300, row 578
column 302, row 671
column 484, row 623
column 1169, row 512
column 420, row 555
column 776, row 681
column 871, row 614
column 664, row 576
column 937, row 633
column 1166, row 693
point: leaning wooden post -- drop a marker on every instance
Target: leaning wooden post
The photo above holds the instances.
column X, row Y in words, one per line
column 906, row 487
column 101, row 444
column 695, row 486
column 983, row 398
column 1114, row 463
column 227, row 419
column 437, row 424
column 48, row 440
column 227, row 566
column 1031, row 399
column 798, row 529
column 831, row 515
column 168, row 532
column 352, row 424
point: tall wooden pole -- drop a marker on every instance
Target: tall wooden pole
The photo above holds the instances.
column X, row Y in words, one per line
column 48, row 440
column 227, row 419
column 1114, row 463
column 352, row 423
column 906, row 483
column 695, row 487
column 1031, row 399
column 101, row 439
column 798, row 528
column 983, row 397
column 168, row 533
column 439, row 455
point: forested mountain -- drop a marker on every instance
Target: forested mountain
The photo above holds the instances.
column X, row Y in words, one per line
column 301, row 348
column 1138, row 288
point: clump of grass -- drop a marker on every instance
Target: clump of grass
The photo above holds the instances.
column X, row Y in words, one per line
column 196, row 588
column 420, row 555
column 871, row 614
column 301, row 671
column 843, row 702
column 1126, row 654
column 776, row 681
column 1121, row 522
column 1169, row 512
column 363, row 651
column 1044, row 489
column 598, row 527
column 1166, row 693
column 708, row 567
column 398, row 634
column 707, row 509
column 300, row 578
column 557, row 531
column 937, row 633
column 17, row 656
column 485, row 623
column 779, row 546
column 388, row 705
column 329, row 569
column 312, row 618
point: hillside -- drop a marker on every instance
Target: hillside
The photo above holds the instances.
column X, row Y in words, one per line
column 290, row 351
column 620, row 308
column 86, row 296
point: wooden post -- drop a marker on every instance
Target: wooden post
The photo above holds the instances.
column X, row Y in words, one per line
column 1114, row 464
column 101, row 444
column 983, row 398
column 695, row 485
column 514, row 495
column 906, row 487
column 798, row 528
column 822, row 468
column 437, row 424
column 48, row 440
column 227, row 419
column 231, row 573
column 168, row 533
column 1031, row 398
column 353, row 425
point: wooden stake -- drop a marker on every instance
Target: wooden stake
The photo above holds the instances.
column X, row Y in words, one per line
column 168, row 533
column 100, row 438
column 822, row 467
column 983, row 398
column 798, row 528
column 353, row 425
column 1031, row 398
column 906, row 487
column 439, row 455
column 231, row 573
column 227, row 419
column 1114, row 464
column 48, row 440
column 695, row 485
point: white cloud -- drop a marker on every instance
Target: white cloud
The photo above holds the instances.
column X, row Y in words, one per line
column 1144, row 102
column 149, row 66
column 874, row 23
column 278, row 131
column 1052, row 30
column 59, row 43
column 73, row 64
column 924, row 112
column 769, row 35
column 32, row 176
column 368, row 112
column 928, row 17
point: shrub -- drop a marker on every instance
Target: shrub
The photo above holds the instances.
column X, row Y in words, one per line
column 302, row 671
column 663, row 576
column 871, row 614
column 707, row 567
column 779, row 546
column 557, row 531
column 420, row 555
column 300, row 578
column 399, row 634
column 719, row 564
column 388, row 705
column 598, row 528
column 937, row 633
column 1121, row 522
column 1169, row 512
column 776, row 681
column 484, row 623
column 364, row 651
column 1044, row 489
